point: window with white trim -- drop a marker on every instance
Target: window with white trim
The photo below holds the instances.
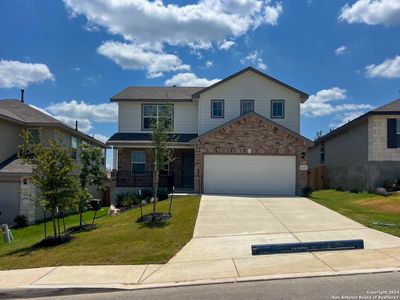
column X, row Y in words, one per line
column 154, row 112
column 246, row 106
column 217, row 108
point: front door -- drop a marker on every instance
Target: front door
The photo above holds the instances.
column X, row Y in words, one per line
column 187, row 169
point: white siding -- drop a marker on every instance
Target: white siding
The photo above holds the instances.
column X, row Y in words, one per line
column 130, row 117
column 249, row 86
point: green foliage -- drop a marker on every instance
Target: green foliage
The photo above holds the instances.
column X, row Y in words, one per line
column 116, row 241
column 128, row 200
column 390, row 185
column 162, row 154
column 52, row 174
column 21, row 221
column 92, row 173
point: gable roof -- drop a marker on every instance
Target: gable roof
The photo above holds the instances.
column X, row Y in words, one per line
column 304, row 96
column 391, row 108
column 19, row 112
column 193, row 141
column 155, row 93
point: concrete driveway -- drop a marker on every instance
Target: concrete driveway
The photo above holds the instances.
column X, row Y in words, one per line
column 227, row 226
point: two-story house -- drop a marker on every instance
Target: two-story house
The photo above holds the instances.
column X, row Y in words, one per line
column 16, row 191
column 363, row 153
column 238, row 136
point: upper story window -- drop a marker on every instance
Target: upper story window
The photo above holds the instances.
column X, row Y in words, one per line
column 246, row 106
column 393, row 133
column 138, row 161
column 154, row 112
column 34, row 135
column 322, row 153
column 217, row 108
column 277, row 109
column 74, row 146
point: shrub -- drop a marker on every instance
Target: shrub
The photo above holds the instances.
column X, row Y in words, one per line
column 147, row 194
column 127, row 200
column 21, row 221
column 389, row 185
column 339, row 189
column 354, row 191
column 307, row 191
column 162, row 194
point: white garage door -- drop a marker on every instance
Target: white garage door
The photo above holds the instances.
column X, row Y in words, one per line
column 250, row 174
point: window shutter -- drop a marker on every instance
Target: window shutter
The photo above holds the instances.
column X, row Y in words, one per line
column 391, row 133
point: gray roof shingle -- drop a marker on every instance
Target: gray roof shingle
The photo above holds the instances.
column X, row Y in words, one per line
column 19, row 112
column 155, row 93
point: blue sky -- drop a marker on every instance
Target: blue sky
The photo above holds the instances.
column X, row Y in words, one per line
column 71, row 56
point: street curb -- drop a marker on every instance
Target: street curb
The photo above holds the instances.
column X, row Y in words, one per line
column 32, row 291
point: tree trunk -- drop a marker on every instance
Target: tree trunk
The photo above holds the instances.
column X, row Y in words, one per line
column 54, row 222
column 81, row 209
column 155, row 190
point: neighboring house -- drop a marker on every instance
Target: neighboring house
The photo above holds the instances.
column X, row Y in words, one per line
column 363, row 153
column 238, row 136
column 16, row 190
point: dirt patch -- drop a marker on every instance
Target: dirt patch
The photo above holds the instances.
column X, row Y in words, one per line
column 387, row 205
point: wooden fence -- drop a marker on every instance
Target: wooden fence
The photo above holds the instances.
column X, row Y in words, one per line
column 317, row 178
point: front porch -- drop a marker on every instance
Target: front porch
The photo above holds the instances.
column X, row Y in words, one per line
column 135, row 169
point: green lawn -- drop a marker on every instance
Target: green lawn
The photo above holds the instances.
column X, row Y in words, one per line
column 365, row 208
column 116, row 240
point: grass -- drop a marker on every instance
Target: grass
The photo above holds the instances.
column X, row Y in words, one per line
column 365, row 208
column 116, row 240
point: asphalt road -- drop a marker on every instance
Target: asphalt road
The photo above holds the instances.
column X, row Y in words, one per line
column 361, row 287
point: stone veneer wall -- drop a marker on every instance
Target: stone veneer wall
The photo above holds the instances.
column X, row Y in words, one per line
column 257, row 134
column 377, row 139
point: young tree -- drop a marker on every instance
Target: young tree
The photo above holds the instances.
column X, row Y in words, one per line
column 52, row 167
column 161, row 153
column 92, row 172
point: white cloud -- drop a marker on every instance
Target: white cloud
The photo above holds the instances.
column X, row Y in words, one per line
column 14, row 73
column 137, row 57
column 209, row 64
column 372, row 12
column 345, row 118
column 254, row 58
column 102, row 113
column 390, row 68
column 198, row 24
column 100, row 137
column 341, row 50
column 189, row 79
column 320, row 104
column 226, row 45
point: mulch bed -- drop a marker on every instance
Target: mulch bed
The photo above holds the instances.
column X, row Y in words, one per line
column 77, row 229
column 53, row 241
column 157, row 217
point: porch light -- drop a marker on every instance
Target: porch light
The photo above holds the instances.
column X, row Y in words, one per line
column 303, row 155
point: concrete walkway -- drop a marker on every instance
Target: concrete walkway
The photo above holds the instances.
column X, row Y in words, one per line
column 220, row 250
column 227, row 226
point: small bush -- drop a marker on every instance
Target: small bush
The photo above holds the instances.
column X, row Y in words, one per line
column 21, row 221
column 127, row 200
column 147, row 194
column 339, row 189
column 354, row 191
column 390, row 185
column 162, row 194
column 307, row 191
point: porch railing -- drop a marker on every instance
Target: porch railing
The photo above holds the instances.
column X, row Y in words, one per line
column 127, row 179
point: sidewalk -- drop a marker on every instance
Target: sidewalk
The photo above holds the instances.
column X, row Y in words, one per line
column 205, row 272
